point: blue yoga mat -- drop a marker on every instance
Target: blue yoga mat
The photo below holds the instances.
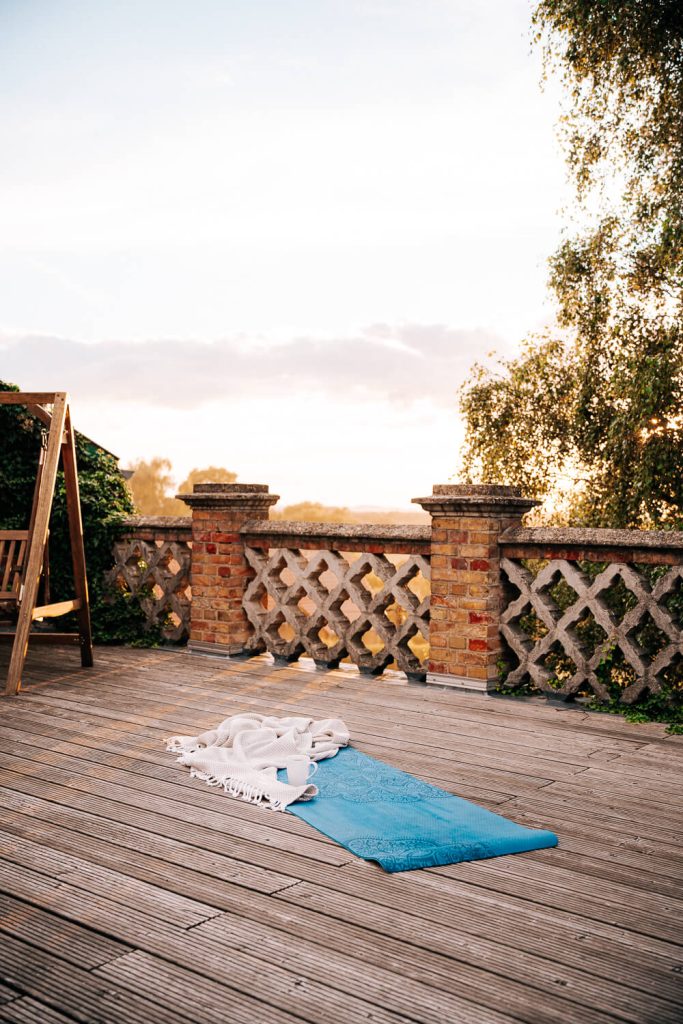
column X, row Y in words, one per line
column 383, row 814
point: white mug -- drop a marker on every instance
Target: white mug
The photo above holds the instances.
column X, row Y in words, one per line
column 299, row 769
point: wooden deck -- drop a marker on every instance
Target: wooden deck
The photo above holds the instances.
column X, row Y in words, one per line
column 131, row 893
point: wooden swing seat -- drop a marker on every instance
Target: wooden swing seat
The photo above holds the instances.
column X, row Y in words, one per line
column 12, row 563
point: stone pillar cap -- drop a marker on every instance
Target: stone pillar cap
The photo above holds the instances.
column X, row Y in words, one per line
column 247, row 496
column 475, row 499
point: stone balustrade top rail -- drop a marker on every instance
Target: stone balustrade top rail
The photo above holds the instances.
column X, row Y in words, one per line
column 660, row 547
column 132, row 524
column 338, row 536
column 573, row 543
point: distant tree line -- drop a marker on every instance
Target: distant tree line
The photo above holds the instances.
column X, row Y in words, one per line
column 153, row 491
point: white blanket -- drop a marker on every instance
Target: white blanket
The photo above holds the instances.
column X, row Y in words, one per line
column 244, row 752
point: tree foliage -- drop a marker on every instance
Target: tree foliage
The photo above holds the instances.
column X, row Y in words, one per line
column 210, row 475
column 153, row 489
column 599, row 407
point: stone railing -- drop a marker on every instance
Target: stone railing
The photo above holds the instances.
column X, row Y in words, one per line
column 594, row 611
column 464, row 602
column 359, row 593
column 152, row 560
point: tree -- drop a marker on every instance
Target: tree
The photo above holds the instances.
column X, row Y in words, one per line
column 153, row 488
column 600, row 406
column 210, row 475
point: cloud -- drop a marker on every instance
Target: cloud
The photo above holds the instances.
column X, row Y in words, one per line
column 399, row 364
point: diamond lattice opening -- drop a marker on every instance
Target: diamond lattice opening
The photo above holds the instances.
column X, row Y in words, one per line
column 395, row 613
column 136, row 558
column 328, row 579
column 649, row 637
column 328, row 636
column 530, row 624
column 372, row 583
column 673, row 602
column 305, row 605
column 672, row 676
column 349, row 609
column 263, row 598
column 618, row 599
column 372, row 641
column 418, row 645
column 589, row 633
column 287, row 576
column 164, row 558
column 533, row 565
column 275, row 570
column 562, row 595
column 560, row 666
column 285, row 632
column 618, row 673
column 419, row 585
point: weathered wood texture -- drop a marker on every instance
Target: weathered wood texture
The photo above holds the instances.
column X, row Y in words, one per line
column 12, row 560
column 25, row 569
column 130, row 892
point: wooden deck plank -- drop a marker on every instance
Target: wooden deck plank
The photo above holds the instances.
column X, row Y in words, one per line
column 369, row 699
column 80, row 994
column 469, row 981
column 6, row 994
column 500, row 783
column 155, row 764
column 173, row 986
column 305, row 924
column 257, row 908
column 151, row 853
column 316, row 1001
column 101, row 834
column 118, row 886
column 158, row 784
column 363, row 706
column 452, row 758
column 29, row 1011
column 86, row 947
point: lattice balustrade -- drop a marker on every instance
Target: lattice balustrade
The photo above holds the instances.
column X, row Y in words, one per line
column 370, row 608
column 571, row 620
column 153, row 563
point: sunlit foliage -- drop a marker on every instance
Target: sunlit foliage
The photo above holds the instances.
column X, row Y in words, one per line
column 597, row 410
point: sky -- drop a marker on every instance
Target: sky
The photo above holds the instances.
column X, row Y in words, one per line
column 273, row 235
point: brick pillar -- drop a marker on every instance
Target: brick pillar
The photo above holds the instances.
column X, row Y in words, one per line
column 220, row 571
column 467, row 596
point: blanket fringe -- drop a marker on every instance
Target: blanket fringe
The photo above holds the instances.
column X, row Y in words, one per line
column 240, row 789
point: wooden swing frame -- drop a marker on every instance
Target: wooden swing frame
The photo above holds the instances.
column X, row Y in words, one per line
column 26, row 553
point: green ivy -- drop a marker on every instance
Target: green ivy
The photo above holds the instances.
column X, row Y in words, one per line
column 117, row 616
